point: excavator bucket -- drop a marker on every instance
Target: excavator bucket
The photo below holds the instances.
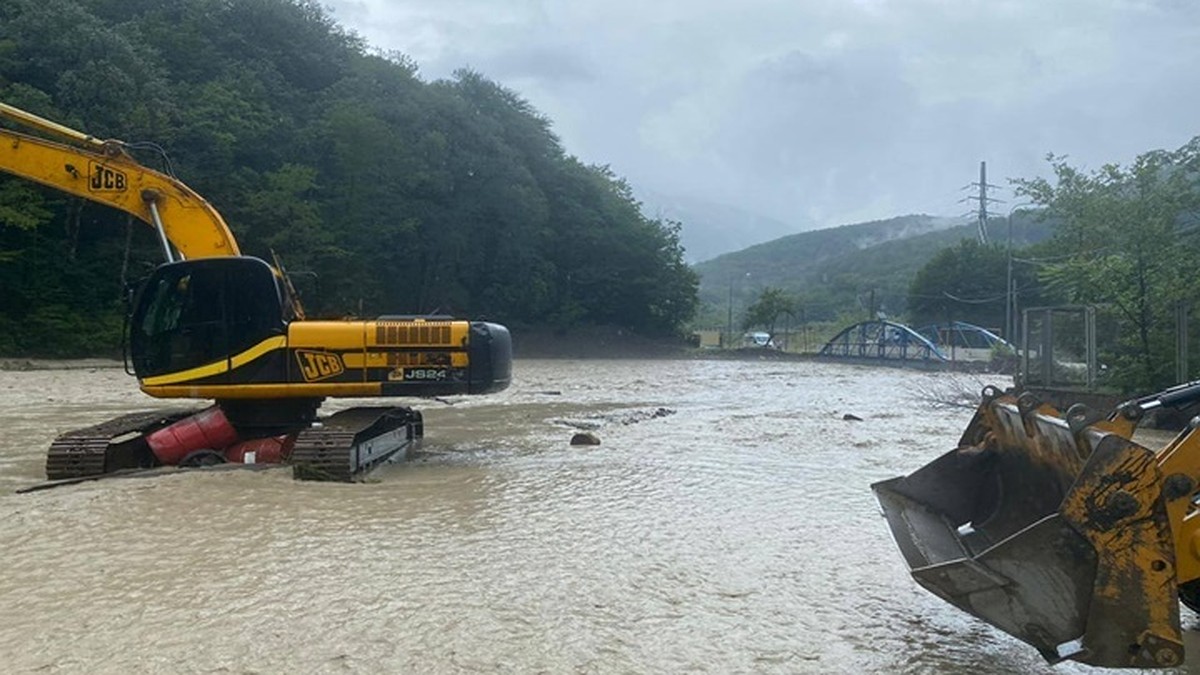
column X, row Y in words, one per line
column 1051, row 528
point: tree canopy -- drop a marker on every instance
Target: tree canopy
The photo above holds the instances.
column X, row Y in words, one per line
column 400, row 195
column 764, row 313
column 967, row 283
column 1127, row 241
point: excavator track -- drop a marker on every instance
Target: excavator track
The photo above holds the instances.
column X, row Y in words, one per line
column 86, row 452
column 346, row 446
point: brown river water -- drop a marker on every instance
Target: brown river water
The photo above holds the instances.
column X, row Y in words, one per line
column 736, row 535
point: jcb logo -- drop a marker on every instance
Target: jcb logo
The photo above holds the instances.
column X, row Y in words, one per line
column 318, row 365
column 106, row 179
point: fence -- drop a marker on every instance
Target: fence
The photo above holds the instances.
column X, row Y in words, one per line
column 1071, row 346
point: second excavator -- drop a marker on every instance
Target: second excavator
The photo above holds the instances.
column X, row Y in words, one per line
column 211, row 323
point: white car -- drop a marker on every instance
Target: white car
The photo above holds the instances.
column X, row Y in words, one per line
column 758, row 339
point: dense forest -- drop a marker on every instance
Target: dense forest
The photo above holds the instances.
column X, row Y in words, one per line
column 382, row 192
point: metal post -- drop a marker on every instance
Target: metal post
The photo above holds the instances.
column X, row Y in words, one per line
column 1019, row 316
column 1181, row 341
column 1024, row 349
column 1089, row 327
column 1009, row 329
column 729, row 320
column 803, row 331
column 983, row 200
column 1046, row 350
column 1010, row 287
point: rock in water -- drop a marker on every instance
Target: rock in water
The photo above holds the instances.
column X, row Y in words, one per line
column 585, row 438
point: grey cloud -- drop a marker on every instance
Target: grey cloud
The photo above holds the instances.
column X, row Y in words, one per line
column 555, row 65
column 829, row 110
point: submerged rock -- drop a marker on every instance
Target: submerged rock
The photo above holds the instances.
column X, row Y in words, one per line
column 585, row 438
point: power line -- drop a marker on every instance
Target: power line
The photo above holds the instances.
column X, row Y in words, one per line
column 973, row 301
column 1046, row 260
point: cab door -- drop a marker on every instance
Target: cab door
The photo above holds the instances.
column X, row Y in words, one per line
column 193, row 317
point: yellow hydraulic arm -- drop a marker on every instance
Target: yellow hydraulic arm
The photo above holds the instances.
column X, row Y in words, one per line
column 1060, row 529
column 102, row 171
column 1179, row 471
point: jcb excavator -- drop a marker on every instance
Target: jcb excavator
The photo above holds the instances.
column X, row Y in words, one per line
column 1059, row 529
column 211, row 323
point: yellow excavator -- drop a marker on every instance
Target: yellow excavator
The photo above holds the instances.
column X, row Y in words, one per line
column 211, row 323
column 1059, row 529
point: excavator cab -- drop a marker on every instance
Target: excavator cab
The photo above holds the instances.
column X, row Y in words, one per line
column 195, row 312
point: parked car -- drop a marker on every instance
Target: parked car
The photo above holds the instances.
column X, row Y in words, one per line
column 758, row 339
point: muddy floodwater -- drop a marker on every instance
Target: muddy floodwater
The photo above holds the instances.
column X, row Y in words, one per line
column 724, row 525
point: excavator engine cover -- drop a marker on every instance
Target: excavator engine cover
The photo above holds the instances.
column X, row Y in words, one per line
column 1051, row 528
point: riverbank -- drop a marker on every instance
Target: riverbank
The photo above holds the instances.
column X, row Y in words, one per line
column 598, row 343
column 575, row 349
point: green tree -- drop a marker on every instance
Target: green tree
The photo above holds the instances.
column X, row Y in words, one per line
column 967, row 282
column 764, row 312
column 1127, row 236
column 961, row 283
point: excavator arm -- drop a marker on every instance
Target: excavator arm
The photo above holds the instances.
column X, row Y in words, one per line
column 102, row 171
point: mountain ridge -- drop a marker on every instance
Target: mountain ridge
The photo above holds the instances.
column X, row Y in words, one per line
column 843, row 268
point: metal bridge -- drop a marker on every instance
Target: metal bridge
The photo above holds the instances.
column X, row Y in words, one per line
column 963, row 335
column 882, row 340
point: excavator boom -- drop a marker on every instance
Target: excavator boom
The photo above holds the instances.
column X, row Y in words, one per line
column 103, row 172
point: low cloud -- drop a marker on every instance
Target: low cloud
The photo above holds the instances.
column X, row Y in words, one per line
column 824, row 111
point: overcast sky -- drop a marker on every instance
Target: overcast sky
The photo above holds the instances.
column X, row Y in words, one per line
column 823, row 112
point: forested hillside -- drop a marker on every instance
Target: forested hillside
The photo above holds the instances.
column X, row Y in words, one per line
column 382, row 193
column 839, row 271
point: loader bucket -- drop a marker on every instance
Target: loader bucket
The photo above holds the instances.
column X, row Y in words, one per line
column 1050, row 528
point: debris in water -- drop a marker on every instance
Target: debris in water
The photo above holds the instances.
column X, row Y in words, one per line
column 643, row 415
column 851, row 418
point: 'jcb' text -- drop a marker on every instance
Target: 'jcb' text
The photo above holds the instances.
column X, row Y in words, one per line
column 318, row 365
column 106, row 179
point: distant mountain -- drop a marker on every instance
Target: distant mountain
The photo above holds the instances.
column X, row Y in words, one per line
column 836, row 269
column 786, row 261
column 709, row 228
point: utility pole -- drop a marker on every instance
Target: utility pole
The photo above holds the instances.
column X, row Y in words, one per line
column 983, row 199
column 728, row 342
column 1010, row 286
